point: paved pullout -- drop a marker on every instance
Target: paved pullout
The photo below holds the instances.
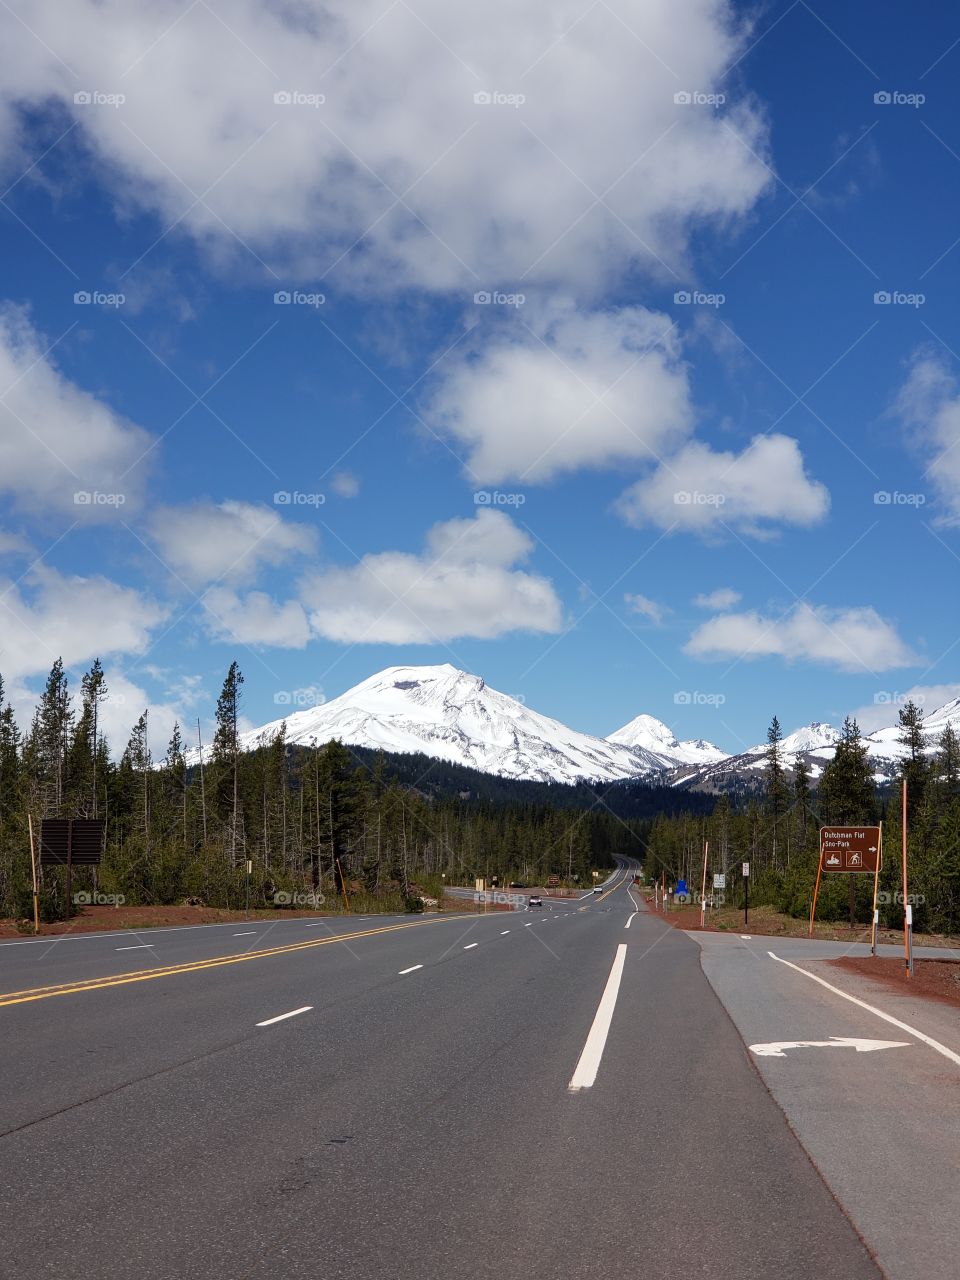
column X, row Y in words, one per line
column 882, row 1125
column 413, row 1117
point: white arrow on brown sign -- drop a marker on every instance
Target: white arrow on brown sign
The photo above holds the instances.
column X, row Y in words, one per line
column 778, row 1048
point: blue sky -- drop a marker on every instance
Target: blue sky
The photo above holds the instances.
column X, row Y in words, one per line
column 678, row 507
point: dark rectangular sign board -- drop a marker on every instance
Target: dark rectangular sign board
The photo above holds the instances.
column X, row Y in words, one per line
column 77, row 840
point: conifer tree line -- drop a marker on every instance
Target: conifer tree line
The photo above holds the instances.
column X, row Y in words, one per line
column 314, row 819
column 777, row 832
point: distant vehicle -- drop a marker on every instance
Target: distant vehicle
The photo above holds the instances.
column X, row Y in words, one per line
column 597, row 889
column 535, row 901
column 517, row 884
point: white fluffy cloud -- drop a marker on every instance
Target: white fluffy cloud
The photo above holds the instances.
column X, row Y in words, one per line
column 929, row 404
column 597, row 167
column 463, row 584
column 722, row 598
column 700, row 489
column 554, row 388
column 255, row 619
column 884, row 709
column 856, row 639
column 228, row 541
column 54, row 615
column 60, row 447
column 646, row 607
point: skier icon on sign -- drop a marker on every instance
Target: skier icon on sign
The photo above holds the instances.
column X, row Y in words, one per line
column 855, row 859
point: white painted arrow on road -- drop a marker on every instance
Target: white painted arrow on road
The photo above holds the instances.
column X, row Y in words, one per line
column 776, row 1048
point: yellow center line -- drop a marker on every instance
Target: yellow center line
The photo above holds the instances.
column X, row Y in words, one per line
column 194, row 966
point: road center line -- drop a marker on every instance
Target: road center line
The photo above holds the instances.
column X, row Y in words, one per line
column 140, row 946
column 471, row 945
column 904, row 1026
column 505, row 931
column 413, row 968
column 281, row 1017
column 197, row 966
column 586, row 1072
column 629, row 921
column 249, row 934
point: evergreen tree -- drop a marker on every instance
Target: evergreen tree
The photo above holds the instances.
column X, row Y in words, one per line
column 226, row 750
column 775, row 785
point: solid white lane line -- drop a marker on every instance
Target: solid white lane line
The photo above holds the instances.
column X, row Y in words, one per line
column 904, row 1026
column 282, row 1016
column 589, row 1064
column 471, row 945
column 251, row 933
column 413, row 968
column 140, row 946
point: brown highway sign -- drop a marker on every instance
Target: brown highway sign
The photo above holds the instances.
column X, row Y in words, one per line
column 850, row 849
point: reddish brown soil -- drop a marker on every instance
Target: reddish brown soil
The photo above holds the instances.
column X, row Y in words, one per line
column 105, row 919
column 932, row 979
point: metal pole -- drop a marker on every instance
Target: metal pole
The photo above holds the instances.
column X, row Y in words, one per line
column 69, row 863
column 746, row 900
column 33, row 867
column 907, row 913
column 816, row 890
column 703, row 882
column 876, row 881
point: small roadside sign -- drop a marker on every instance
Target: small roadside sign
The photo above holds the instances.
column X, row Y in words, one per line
column 746, row 869
column 719, row 880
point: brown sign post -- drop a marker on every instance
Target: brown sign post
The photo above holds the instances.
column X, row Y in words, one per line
column 849, row 851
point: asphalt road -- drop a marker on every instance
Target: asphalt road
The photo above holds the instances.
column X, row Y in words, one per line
column 414, row 1117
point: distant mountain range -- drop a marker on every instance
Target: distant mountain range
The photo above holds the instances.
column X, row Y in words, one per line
column 451, row 715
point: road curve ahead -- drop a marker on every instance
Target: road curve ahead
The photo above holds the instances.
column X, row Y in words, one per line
column 531, row 1094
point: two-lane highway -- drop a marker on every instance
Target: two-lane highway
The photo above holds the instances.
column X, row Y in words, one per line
column 400, row 1100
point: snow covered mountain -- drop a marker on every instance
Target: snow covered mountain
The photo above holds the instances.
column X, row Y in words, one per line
column 654, row 737
column 454, row 716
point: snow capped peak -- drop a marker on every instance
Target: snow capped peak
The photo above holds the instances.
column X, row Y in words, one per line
column 453, row 715
column 647, row 733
